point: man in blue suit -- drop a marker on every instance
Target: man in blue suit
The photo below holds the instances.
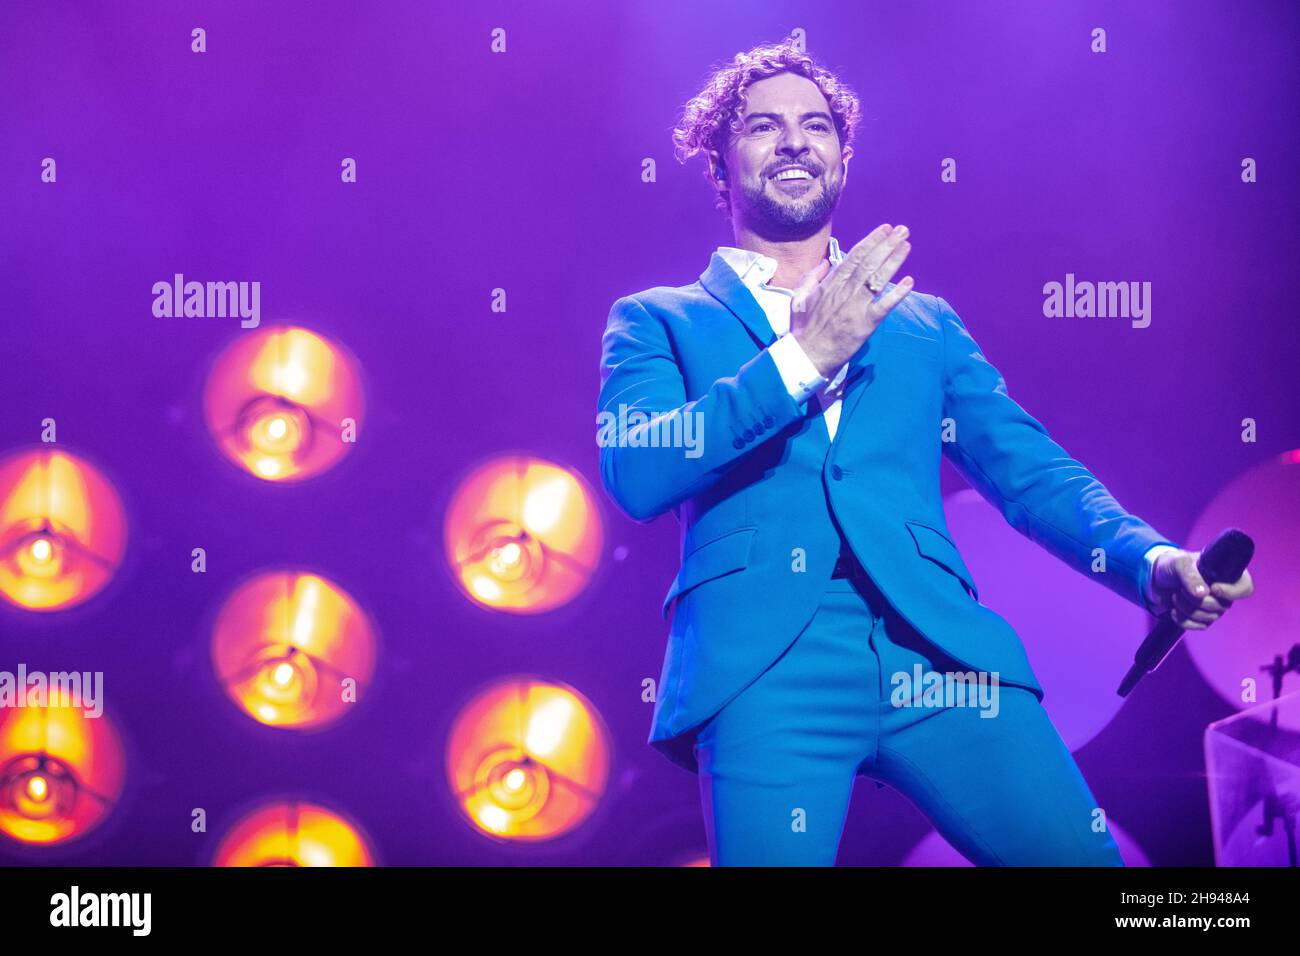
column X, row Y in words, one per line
column 790, row 408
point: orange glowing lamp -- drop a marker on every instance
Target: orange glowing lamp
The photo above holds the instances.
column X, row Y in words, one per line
column 294, row 833
column 61, row 772
column 293, row 649
column 527, row 760
column 62, row 530
column 284, row 403
column 523, row 535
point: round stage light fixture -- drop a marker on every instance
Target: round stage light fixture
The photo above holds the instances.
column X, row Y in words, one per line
column 527, row 760
column 62, row 530
column 294, row 833
column 286, row 643
column 284, row 403
column 61, row 772
column 523, row 535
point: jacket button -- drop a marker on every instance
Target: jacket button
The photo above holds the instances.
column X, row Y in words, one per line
column 747, row 435
column 769, row 421
column 837, row 472
column 758, row 428
column 738, row 443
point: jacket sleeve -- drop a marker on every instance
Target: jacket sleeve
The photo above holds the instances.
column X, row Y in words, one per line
column 1043, row 493
column 657, row 448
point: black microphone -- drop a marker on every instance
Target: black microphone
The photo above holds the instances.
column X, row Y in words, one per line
column 1223, row 561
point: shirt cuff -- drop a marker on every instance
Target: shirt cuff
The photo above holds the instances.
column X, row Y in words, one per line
column 1149, row 568
column 799, row 374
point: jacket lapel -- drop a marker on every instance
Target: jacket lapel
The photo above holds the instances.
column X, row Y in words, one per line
column 860, row 374
column 721, row 281
column 856, row 381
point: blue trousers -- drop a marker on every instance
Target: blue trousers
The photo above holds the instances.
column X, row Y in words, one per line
column 778, row 762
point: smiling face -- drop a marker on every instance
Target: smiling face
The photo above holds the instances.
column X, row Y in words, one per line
column 785, row 169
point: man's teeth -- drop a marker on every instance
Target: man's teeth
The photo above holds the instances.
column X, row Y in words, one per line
column 794, row 174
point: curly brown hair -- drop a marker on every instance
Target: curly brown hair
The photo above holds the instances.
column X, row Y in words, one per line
column 714, row 113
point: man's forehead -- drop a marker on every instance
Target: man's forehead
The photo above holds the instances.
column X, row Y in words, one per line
column 784, row 93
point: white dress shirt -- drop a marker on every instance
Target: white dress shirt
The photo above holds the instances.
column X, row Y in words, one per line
column 801, row 377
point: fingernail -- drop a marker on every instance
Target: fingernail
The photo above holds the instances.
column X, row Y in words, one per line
column 1200, row 589
column 901, row 231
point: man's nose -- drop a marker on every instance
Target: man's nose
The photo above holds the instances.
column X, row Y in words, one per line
column 793, row 142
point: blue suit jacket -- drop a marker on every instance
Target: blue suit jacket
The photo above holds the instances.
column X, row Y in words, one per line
column 758, row 507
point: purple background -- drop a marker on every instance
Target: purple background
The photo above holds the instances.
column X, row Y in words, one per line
column 522, row 171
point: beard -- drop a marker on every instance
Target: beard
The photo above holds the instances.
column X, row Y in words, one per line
column 779, row 219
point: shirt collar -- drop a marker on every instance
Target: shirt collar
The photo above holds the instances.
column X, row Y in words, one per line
column 754, row 268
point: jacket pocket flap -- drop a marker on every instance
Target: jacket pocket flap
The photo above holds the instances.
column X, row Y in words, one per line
column 936, row 546
column 713, row 559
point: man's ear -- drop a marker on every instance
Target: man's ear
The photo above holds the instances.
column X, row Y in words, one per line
column 717, row 170
column 844, row 158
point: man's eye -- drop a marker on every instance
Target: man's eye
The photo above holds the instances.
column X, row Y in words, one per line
column 757, row 126
column 821, row 126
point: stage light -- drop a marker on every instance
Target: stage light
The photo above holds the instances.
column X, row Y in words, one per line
column 62, row 530
column 277, row 403
column 61, row 772
column 294, row 833
column 523, row 535
column 285, row 643
column 527, row 760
